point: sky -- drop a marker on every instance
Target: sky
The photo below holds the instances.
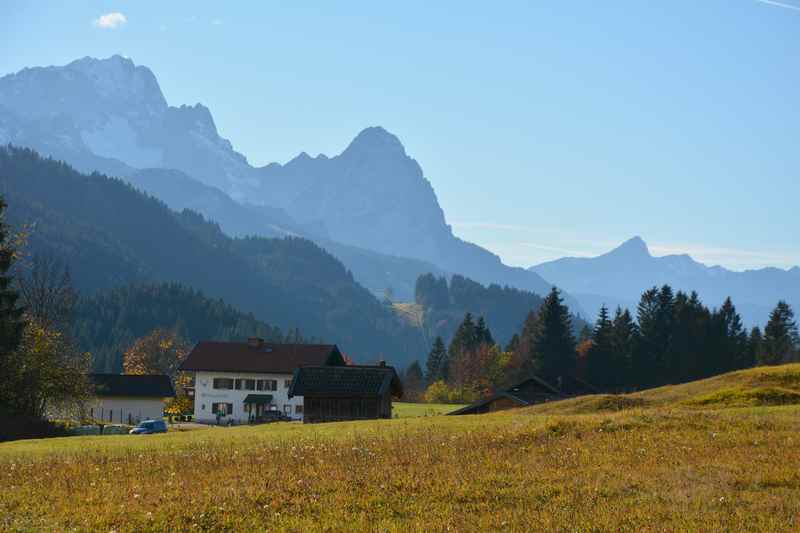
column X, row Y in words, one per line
column 546, row 128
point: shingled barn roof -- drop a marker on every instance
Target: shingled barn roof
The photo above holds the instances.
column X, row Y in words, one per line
column 257, row 356
column 345, row 381
column 531, row 391
column 144, row 386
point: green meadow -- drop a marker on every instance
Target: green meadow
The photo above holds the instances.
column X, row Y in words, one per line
column 713, row 455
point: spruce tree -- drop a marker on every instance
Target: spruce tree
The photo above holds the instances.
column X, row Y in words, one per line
column 553, row 353
column 624, row 337
column 413, row 381
column 482, row 333
column 436, row 365
column 465, row 338
column 780, row 336
column 602, row 369
column 754, row 346
column 11, row 320
column 735, row 355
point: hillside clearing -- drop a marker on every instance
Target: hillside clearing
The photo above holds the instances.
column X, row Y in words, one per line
column 655, row 468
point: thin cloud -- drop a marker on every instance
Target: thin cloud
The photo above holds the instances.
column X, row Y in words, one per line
column 779, row 4
column 110, row 21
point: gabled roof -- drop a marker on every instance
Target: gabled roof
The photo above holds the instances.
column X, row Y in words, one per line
column 143, row 386
column 532, row 390
column 266, row 358
column 572, row 386
column 345, row 381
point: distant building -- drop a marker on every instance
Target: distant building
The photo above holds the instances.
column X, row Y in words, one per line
column 244, row 381
column 128, row 399
column 531, row 391
column 346, row 392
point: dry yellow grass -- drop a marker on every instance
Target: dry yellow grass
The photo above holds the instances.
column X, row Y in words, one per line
column 658, row 466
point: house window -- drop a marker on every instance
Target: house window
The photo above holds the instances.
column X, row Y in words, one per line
column 239, row 384
column 287, row 409
column 222, row 408
column 287, row 383
column 260, row 384
column 249, row 384
column 223, row 383
column 298, row 409
column 273, row 384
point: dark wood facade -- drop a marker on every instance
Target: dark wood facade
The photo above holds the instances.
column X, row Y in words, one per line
column 325, row 409
column 332, row 394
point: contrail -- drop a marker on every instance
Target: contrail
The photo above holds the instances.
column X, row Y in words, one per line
column 779, row 4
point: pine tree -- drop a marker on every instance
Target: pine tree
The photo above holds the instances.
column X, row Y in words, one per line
column 736, row 354
column 754, row 346
column 413, row 382
column 482, row 333
column 585, row 334
column 780, row 336
column 624, row 337
column 11, row 319
column 465, row 339
column 602, row 370
column 436, row 365
column 553, row 348
column 513, row 344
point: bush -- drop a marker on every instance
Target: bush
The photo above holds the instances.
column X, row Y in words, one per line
column 15, row 427
column 441, row 392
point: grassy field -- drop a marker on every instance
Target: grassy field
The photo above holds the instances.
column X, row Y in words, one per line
column 413, row 410
column 715, row 455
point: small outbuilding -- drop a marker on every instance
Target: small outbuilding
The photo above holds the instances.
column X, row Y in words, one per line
column 531, row 391
column 129, row 399
column 354, row 392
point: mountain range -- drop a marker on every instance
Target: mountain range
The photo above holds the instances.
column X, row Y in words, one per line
column 620, row 276
column 110, row 115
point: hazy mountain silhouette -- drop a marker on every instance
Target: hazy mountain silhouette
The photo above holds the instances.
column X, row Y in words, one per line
column 621, row 275
column 110, row 115
column 110, row 235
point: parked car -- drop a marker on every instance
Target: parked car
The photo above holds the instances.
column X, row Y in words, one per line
column 147, row 427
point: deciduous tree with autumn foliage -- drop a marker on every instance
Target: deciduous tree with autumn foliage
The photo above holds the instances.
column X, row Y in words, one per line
column 162, row 352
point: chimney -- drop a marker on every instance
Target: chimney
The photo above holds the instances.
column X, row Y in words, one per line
column 255, row 342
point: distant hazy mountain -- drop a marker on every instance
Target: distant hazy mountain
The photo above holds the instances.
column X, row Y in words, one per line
column 111, row 235
column 373, row 195
column 621, row 275
column 114, row 110
column 110, row 115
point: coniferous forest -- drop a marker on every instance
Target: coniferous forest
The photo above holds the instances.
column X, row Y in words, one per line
column 672, row 337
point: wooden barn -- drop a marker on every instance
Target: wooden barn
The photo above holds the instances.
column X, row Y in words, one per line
column 529, row 392
column 355, row 392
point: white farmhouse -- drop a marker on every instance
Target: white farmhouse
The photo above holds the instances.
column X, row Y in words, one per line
column 128, row 399
column 243, row 381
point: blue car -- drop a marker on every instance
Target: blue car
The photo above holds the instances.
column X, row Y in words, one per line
column 147, row 427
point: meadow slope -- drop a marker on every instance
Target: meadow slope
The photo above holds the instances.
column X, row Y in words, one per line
column 667, row 463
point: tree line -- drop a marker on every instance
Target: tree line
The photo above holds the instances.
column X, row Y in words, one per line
column 672, row 338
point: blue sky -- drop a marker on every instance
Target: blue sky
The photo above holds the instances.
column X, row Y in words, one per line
column 547, row 128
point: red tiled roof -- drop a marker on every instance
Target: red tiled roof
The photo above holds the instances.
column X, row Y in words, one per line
column 266, row 359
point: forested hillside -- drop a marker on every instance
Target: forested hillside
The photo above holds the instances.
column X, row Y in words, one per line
column 110, row 235
column 503, row 308
column 108, row 322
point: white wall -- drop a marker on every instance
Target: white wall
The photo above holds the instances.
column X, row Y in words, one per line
column 122, row 409
column 205, row 395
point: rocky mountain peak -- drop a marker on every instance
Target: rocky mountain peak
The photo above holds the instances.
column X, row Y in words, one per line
column 119, row 78
column 377, row 142
column 634, row 247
